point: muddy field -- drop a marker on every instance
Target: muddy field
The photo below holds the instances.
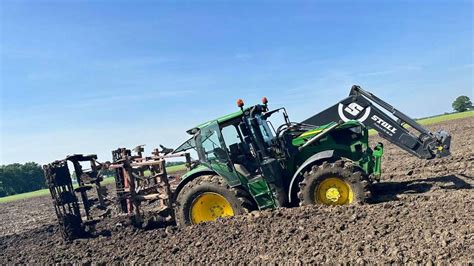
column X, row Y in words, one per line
column 423, row 212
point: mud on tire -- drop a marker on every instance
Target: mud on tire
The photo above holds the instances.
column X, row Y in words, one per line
column 240, row 201
column 353, row 175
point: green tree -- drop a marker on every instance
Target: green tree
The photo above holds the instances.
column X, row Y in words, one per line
column 19, row 178
column 462, row 103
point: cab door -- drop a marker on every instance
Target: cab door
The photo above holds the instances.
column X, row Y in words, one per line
column 214, row 154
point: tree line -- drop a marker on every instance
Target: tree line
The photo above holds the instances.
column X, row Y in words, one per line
column 175, row 163
column 20, row 178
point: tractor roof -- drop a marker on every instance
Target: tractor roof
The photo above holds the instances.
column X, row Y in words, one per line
column 190, row 144
column 219, row 120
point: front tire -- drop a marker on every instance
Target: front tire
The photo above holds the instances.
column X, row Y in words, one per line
column 338, row 183
column 207, row 198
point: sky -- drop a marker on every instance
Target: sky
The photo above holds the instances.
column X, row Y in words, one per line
column 92, row 76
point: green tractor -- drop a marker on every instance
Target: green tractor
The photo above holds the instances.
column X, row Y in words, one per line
column 246, row 163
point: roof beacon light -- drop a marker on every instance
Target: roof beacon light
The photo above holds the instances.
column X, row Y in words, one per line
column 240, row 103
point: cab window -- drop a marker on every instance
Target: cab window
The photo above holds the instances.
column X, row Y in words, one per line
column 210, row 141
column 231, row 135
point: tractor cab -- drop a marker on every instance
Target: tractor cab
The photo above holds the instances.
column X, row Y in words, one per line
column 241, row 148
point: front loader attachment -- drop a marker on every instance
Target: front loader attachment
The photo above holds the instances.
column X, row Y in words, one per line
column 366, row 108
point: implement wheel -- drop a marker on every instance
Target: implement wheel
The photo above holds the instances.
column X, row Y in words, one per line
column 71, row 227
column 207, row 198
column 338, row 183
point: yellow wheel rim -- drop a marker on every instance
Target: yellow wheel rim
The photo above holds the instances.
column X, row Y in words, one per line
column 334, row 191
column 209, row 206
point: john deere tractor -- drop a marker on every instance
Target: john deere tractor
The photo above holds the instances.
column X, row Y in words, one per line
column 247, row 163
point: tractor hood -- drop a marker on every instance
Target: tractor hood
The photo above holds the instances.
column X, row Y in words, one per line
column 305, row 136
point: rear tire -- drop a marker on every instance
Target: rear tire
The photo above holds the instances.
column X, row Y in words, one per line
column 337, row 183
column 226, row 201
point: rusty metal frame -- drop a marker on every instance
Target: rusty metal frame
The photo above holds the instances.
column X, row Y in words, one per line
column 140, row 179
column 66, row 204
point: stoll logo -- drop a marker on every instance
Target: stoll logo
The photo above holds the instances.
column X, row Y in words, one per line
column 354, row 110
column 386, row 125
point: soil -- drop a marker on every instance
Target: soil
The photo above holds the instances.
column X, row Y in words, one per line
column 422, row 213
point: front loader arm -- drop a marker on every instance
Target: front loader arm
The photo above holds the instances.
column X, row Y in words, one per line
column 366, row 108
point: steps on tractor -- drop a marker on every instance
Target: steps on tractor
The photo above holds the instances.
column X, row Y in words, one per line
column 261, row 192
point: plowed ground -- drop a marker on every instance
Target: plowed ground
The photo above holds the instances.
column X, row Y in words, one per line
column 423, row 212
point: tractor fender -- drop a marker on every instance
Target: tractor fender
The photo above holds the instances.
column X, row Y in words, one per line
column 316, row 157
column 189, row 176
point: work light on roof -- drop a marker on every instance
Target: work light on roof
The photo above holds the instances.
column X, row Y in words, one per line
column 240, row 103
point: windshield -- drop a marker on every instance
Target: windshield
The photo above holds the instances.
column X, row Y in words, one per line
column 265, row 129
column 187, row 145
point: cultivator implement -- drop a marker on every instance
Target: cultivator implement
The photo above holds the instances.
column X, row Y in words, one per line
column 144, row 179
column 138, row 179
column 75, row 214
